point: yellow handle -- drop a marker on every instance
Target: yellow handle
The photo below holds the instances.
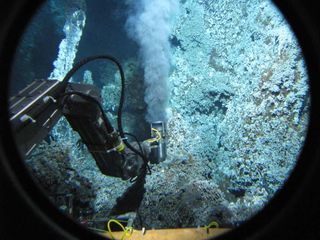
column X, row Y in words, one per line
column 157, row 138
column 213, row 223
column 127, row 232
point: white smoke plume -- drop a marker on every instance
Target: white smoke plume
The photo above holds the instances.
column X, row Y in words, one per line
column 150, row 26
column 68, row 47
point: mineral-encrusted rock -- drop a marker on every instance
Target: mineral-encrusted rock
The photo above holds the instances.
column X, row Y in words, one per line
column 178, row 195
column 239, row 106
column 69, row 191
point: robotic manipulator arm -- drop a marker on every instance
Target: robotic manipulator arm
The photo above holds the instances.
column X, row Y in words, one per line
column 36, row 109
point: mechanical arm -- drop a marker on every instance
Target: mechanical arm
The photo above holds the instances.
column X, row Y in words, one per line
column 36, row 109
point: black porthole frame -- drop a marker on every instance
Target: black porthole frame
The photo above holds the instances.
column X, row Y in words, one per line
column 292, row 214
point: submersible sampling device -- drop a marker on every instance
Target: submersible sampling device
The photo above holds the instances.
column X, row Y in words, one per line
column 36, row 109
column 158, row 145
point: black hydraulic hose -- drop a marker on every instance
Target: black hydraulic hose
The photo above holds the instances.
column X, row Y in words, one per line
column 122, row 96
column 136, row 139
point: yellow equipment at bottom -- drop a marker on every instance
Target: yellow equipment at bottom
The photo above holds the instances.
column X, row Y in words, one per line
column 170, row 234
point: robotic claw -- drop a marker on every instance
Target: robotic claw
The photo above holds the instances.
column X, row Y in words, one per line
column 37, row 108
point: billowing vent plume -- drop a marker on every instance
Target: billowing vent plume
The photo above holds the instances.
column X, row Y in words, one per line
column 150, row 26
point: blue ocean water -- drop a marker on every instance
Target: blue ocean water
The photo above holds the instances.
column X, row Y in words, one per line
column 227, row 76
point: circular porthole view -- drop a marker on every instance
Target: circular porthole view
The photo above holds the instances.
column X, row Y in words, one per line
column 140, row 116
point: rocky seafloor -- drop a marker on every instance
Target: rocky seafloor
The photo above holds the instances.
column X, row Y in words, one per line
column 238, row 115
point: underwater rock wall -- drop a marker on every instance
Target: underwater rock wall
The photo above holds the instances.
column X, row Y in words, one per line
column 239, row 112
column 71, row 192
